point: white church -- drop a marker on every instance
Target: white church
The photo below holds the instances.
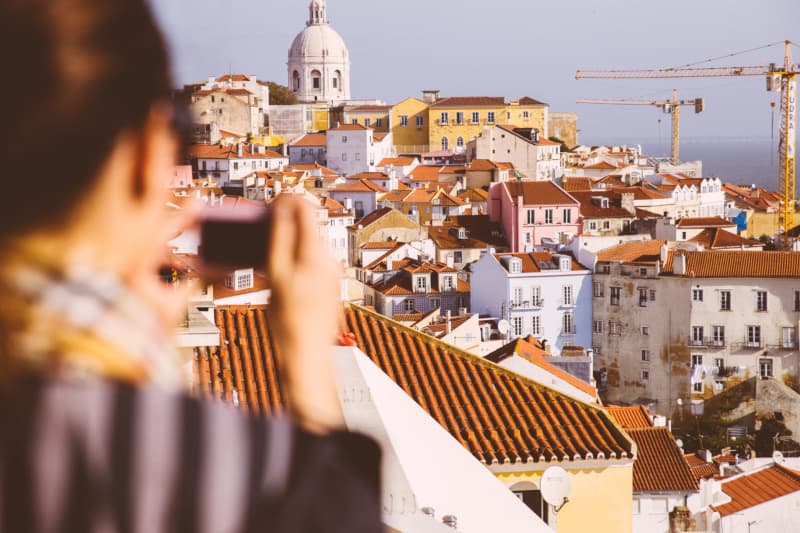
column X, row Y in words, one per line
column 319, row 62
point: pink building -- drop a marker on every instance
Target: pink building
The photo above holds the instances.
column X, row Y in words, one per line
column 533, row 213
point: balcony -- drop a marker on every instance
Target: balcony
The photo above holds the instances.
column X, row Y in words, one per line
column 706, row 342
column 526, row 305
column 726, row 371
column 752, row 344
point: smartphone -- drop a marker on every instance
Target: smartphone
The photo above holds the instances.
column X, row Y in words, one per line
column 233, row 238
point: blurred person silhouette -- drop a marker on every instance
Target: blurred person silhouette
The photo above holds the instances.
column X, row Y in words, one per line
column 96, row 433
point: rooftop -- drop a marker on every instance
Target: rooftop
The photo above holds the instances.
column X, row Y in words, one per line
column 533, row 262
column 659, row 465
column 470, row 101
column 312, row 139
column 639, row 252
column 711, row 238
column 734, row 264
column 539, row 193
column 630, row 417
column 703, row 222
column 757, row 487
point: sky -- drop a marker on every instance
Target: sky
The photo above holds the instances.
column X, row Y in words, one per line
column 512, row 48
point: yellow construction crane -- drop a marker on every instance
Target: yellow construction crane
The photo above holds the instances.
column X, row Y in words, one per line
column 779, row 78
column 671, row 107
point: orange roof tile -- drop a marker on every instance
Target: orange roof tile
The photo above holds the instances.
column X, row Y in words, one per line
column 527, row 100
column 601, row 165
column 379, row 245
column 574, row 184
column 536, row 356
column 700, row 468
column 630, row 417
column 641, row 252
column 233, row 77
column 397, row 161
column 495, row 414
column 312, row 139
column 733, row 264
column 703, row 222
column 470, row 101
column 757, row 487
column 425, row 173
column 216, row 151
column 659, row 465
column 482, row 165
column 371, row 108
column 359, row 186
column 349, row 127
column 712, row 238
column 446, row 238
column 539, row 261
column 539, row 193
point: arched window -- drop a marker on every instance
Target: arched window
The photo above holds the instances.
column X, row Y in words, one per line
column 460, row 142
column 316, row 79
column 337, row 79
column 445, row 143
column 296, row 80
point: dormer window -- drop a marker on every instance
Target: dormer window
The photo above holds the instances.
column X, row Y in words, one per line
column 515, row 265
column 462, row 233
column 422, row 284
column 565, row 264
column 447, row 283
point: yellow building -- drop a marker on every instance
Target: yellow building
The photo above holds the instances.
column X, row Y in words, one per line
column 371, row 116
column 456, row 120
column 320, row 118
column 410, row 126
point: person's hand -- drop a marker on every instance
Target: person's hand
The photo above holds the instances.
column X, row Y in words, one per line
column 304, row 312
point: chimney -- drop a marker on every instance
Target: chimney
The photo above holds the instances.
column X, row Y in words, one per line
column 462, row 311
column 679, row 264
column 447, row 318
column 450, row 521
column 664, row 253
column 430, row 96
column 348, row 204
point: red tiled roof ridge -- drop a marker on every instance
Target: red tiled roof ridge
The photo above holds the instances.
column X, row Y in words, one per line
column 630, row 416
column 746, row 491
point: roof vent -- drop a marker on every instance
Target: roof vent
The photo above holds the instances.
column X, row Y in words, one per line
column 429, row 511
column 450, row 521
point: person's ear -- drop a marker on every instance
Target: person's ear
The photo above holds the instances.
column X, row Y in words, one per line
column 156, row 151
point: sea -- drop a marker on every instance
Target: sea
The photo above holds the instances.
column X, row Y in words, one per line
column 739, row 160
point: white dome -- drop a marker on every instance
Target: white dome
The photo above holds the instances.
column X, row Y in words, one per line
column 319, row 41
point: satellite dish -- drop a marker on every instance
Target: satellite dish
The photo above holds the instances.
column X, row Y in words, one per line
column 556, row 486
column 503, row 326
column 777, row 457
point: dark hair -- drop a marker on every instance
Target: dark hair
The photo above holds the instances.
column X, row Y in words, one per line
column 76, row 74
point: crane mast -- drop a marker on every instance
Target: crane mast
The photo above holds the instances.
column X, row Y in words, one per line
column 783, row 79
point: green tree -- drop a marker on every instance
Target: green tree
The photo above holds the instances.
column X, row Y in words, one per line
column 280, row 94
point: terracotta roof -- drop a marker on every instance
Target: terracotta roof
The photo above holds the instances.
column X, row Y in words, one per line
column 407, row 317
column 757, row 487
column 495, row 414
column 425, row 173
column 535, row 355
column 373, row 217
column 379, row 136
column 380, row 245
column 439, row 329
column 659, row 465
column 312, row 166
column 359, row 186
column 312, row 139
column 215, row 151
column 480, row 227
column 368, row 176
column 233, row 77
column 612, row 181
column 642, row 193
column 712, row 238
column 539, row 193
column 476, row 195
column 482, row 165
column 527, row 100
column 700, row 468
column 397, row 161
column 733, row 264
column 575, row 184
column 446, row 237
column 533, row 262
column 601, row 165
column 350, row 127
column 370, row 108
column 226, row 90
column 591, row 210
column 470, row 101
column 630, row 417
column 703, row 222
column 642, row 252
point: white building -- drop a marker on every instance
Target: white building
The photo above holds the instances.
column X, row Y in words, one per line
column 353, row 148
column 543, row 294
column 334, row 219
column 229, row 165
column 319, row 62
column 311, row 148
column 528, row 149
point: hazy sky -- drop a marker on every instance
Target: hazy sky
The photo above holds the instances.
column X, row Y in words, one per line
column 511, row 48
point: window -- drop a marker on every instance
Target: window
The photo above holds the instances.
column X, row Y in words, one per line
column 422, row 284
column 643, row 272
column 315, row 82
column 606, row 224
column 534, row 501
column 652, row 295
column 718, row 335
column 616, row 292
column 719, row 363
column 378, row 122
column 788, row 335
column 761, row 300
column 642, row 297
column 536, row 325
column 420, row 121
column 444, row 118
column 566, row 216
column 548, row 216
column 358, row 156
column 597, row 326
column 645, row 374
column 344, row 138
column 568, row 323
column 765, row 368
column 754, row 336
column 796, row 300
column 644, row 330
column 460, row 142
column 697, row 360
column 645, row 355
column 530, row 215
column 244, row 281
column 459, row 118
column 335, row 83
column 490, row 117
column 724, row 300
column 614, row 328
column 697, row 295
column 516, row 326
column 447, row 283
column 516, row 296
column 593, row 225
column 368, row 122
column 597, row 289
column 344, row 156
column 697, row 386
column 515, row 266
column 445, row 143
column 408, row 305
column 528, row 237
column 403, row 121
column 458, row 257
column 697, row 336
column 566, row 292
column 476, row 117
column 536, row 296
column 436, row 303
column 526, row 114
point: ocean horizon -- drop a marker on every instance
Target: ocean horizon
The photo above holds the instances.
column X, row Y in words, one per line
column 739, row 160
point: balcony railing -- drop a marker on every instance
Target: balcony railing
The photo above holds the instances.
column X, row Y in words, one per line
column 526, row 304
column 710, row 342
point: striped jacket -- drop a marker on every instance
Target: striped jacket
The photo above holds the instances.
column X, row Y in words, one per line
column 108, row 457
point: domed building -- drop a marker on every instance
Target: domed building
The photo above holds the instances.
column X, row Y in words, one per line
column 319, row 63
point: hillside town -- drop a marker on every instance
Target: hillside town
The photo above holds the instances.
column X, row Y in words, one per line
column 519, row 310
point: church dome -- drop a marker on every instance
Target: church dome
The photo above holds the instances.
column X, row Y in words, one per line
column 319, row 41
